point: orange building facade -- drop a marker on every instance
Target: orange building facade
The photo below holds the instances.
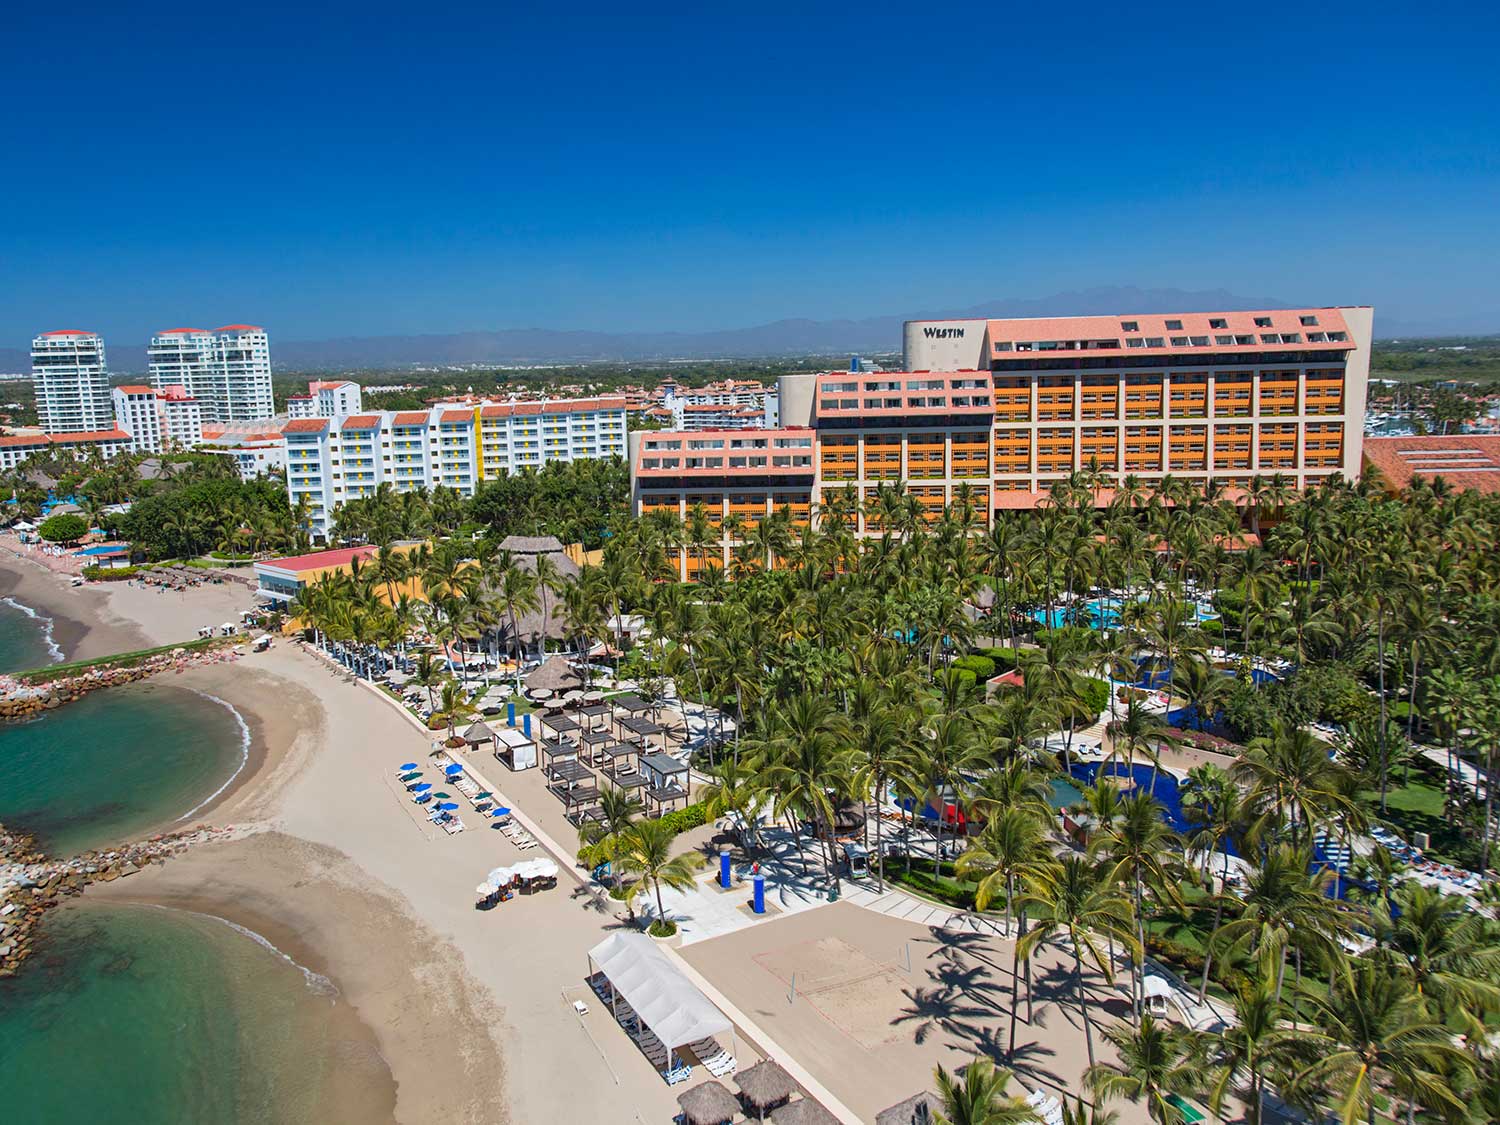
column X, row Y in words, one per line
column 999, row 410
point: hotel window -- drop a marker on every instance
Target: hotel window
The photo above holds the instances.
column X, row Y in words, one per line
column 1135, row 342
column 1154, row 342
column 1244, row 339
column 1200, row 341
column 1338, row 337
column 1223, row 340
column 1174, row 326
column 1179, row 341
column 1308, row 321
column 1003, row 346
column 1217, row 322
column 1130, row 326
column 1262, row 322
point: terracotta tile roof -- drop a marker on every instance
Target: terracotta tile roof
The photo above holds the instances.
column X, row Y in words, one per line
column 410, row 418
column 448, row 417
column 361, row 422
column 241, row 328
column 69, row 332
column 14, row 441
column 180, row 331
column 305, row 426
column 496, row 410
column 320, row 559
column 1465, row 461
column 136, row 389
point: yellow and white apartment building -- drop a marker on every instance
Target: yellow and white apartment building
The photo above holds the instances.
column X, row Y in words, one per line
column 1007, row 407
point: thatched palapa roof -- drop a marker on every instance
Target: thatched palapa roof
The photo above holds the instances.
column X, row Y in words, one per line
column 803, row 1111
column 919, row 1109
column 765, row 1083
column 555, row 675
column 479, row 732
column 708, row 1104
column 524, row 551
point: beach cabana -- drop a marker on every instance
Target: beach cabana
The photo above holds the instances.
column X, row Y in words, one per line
column 560, row 725
column 593, row 715
column 667, row 782
column 708, row 1104
column 919, row 1109
column 636, row 728
column 556, row 753
column 803, row 1111
column 765, row 1086
column 623, row 770
column 478, row 735
column 657, row 991
column 593, row 745
column 515, row 749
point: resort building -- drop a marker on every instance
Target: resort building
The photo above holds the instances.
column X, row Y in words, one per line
column 228, row 371
column 330, row 461
column 337, row 398
column 281, row 580
column 996, row 411
column 1465, row 462
column 18, row 447
column 72, row 382
column 157, row 420
column 255, row 452
column 733, row 404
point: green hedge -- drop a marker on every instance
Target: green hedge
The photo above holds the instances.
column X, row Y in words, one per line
column 110, row 574
column 680, row 820
column 982, row 666
column 1004, row 659
column 1095, row 694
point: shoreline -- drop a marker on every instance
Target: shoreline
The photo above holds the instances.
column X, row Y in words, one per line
column 83, row 627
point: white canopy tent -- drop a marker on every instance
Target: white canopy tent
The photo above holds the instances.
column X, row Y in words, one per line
column 661, row 994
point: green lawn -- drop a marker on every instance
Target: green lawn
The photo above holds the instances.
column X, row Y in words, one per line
column 1417, row 806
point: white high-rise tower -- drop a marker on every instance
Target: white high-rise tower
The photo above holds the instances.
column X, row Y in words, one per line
column 228, row 371
column 72, row 383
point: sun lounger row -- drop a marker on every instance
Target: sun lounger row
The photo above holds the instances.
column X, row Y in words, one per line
column 519, row 837
column 1046, row 1107
column 646, row 1039
column 718, row 1061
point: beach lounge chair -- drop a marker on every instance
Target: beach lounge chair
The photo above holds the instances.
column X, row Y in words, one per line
column 580, row 1007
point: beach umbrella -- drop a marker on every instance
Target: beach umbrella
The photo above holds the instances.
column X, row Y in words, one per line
column 441, row 796
column 453, row 770
column 484, row 890
column 447, row 806
column 422, row 787
column 404, row 766
column 500, row 876
column 483, row 795
column 501, row 811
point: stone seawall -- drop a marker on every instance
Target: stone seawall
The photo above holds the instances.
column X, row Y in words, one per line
column 31, row 884
column 19, row 699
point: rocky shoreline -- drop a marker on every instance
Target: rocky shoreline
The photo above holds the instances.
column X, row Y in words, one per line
column 32, row 884
column 20, row 700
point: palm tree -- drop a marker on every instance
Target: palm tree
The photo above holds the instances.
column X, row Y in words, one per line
column 1241, row 1050
column 549, row 580
column 456, row 706
column 979, row 1097
column 1292, row 781
column 1159, row 1065
column 881, row 748
column 1072, row 899
column 601, row 840
column 646, row 850
column 516, row 594
column 809, row 766
column 1373, row 1034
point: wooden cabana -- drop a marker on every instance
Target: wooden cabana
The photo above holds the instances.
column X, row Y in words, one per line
column 803, row 1111
column 765, row 1086
column 479, row 735
column 555, row 753
column 593, row 745
column 561, row 725
column 667, row 783
column 594, row 716
column 708, row 1104
column 634, row 728
column 624, row 770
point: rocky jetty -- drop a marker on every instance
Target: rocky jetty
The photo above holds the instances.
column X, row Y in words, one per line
column 20, row 699
column 32, row 884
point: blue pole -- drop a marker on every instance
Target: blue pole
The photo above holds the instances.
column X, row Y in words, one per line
column 526, row 725
column 724, row 868
column 760, row 894
column 510, row 714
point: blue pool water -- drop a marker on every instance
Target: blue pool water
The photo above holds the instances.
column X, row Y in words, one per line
column 102, row 551
column 1100, row 613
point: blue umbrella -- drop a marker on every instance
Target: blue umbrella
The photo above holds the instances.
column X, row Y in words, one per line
column 404, row 766
column 422, row 788
column 447, row 806
column 453, row 769
column 500, row 812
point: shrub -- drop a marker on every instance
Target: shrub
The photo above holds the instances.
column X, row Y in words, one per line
column 1005, row 659
column 1212, row 628
column 64, row 528
column 982, row 666
column 1095, row 694
column 693, row 816
column 662, row 928
column 105, row 574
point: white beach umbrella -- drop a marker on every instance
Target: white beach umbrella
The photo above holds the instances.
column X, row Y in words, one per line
column 501, row 875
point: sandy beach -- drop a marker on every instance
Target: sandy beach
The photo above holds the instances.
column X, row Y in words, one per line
column 470, row 1012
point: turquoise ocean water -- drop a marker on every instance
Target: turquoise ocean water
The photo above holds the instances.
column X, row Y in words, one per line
column 139, row 1014
column 25, row 638
column 116, row 764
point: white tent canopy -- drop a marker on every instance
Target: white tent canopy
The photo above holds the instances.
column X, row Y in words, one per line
column 661, row 994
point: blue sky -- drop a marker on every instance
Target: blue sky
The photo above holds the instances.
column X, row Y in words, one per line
column 356, row 170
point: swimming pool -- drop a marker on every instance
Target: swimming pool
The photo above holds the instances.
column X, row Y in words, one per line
column 103, row 551
column 1102, row 613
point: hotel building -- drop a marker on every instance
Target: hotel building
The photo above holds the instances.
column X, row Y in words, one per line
column 1004, row 408
column 72, row 382
column 228, row 371
column 157, row 419
column 326, row 399
column 333, row 460
column 18, row 447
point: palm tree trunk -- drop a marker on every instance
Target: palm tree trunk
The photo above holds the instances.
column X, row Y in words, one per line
column 879, row 849
column 1083, row 1003
column 1380, row 661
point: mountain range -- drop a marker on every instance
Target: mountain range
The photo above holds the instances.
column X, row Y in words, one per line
column 793, row 337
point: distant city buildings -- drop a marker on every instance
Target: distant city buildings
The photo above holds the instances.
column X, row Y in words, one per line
column 157, row 420
column 72, row 382
column 16, row 448
column 326, row 399
column 228, row 370
column 732, row 404
column 330, row 461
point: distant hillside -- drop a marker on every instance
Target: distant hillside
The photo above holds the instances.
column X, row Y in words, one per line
column 779, row 338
